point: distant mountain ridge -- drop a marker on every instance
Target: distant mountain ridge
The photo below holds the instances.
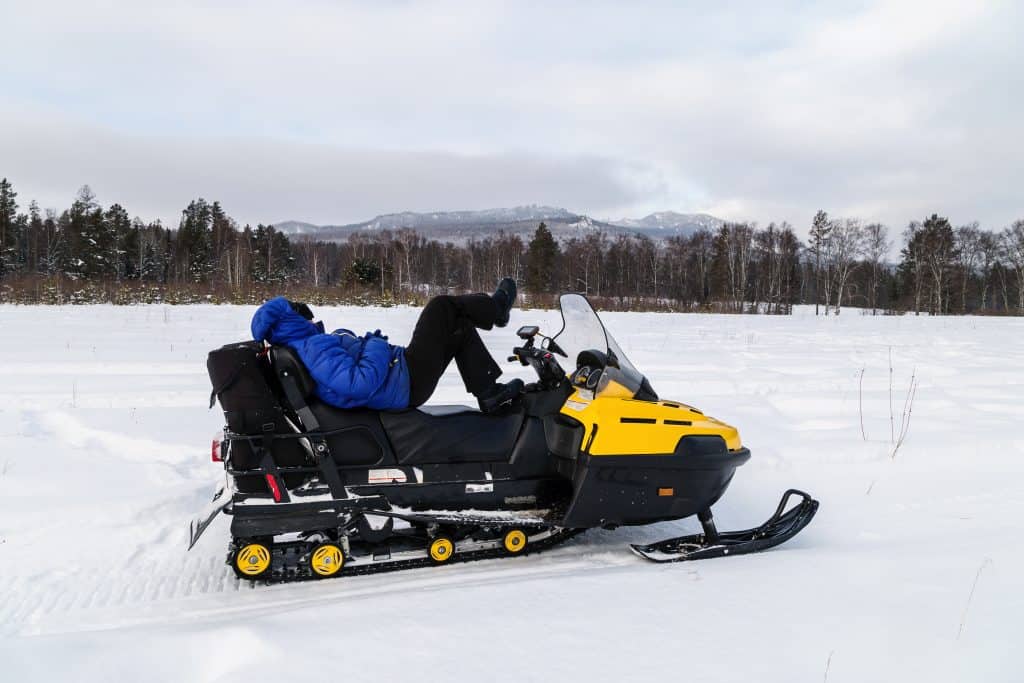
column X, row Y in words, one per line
column 670, row 220
column 461, row 226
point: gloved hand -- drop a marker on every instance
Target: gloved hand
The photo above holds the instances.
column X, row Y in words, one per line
column 377, row 333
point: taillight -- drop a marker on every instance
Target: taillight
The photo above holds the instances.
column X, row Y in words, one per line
column 215, row 454
column 274, row 490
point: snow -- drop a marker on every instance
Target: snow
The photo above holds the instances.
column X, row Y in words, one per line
column 911, row 570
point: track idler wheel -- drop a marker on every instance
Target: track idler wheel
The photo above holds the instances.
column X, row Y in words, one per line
column 326, row 560
column 514, row 541
column 441, row 549
column 251, row 561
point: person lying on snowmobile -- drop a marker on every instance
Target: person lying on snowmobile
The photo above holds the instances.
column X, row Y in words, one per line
column 368, row 372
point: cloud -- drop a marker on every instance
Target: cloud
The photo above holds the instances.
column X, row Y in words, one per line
column 331, row 112
column 260, row 180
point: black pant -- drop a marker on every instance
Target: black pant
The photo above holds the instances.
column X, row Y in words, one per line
column 446, row 330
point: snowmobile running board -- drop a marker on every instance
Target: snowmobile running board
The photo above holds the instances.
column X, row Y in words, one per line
column 780, row 527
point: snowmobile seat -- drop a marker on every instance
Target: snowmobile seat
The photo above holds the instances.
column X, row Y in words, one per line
column 446, row 434
column 430, row 434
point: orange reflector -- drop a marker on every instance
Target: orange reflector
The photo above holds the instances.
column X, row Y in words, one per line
column 666, row 491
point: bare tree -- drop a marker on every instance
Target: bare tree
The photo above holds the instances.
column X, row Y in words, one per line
column 939, row 250
column 876, row 249
column 737, row 239
column 845, row 247
column 405, row 240
column 310, row 249
column 968, row 250
column 989, row 251
column 913, row 261
column 1013, row 244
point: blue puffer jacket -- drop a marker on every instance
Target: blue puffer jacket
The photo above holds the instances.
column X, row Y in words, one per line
column 349, row 371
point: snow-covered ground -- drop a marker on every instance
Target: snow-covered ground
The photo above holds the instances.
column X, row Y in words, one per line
column 911, row 570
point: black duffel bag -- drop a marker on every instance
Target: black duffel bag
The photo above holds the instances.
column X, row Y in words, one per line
column 241, row 379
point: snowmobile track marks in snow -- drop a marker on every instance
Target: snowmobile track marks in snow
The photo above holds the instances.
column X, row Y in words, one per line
column 232, row 598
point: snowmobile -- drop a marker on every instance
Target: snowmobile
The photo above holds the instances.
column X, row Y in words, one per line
column 315, row 491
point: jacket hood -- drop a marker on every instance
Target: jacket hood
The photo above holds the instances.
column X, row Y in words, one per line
column 277, row 323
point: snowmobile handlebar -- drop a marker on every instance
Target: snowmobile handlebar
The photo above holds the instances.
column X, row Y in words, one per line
column 542, row 361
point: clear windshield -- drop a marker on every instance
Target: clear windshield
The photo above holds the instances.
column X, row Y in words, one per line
column 583, row 330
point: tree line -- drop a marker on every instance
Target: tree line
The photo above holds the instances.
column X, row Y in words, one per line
column 89, row 253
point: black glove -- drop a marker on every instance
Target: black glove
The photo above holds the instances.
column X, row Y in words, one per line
column 301, row 308
column 376, row 333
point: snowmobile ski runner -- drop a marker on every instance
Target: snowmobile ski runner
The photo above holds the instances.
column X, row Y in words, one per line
column 315, row 491
column 780, row 527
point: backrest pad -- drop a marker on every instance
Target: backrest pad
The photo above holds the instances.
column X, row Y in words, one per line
column 284, row 359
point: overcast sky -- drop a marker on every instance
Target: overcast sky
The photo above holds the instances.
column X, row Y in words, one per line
column 333, row 112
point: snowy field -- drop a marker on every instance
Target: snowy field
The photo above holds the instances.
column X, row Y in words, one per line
column 910, row 572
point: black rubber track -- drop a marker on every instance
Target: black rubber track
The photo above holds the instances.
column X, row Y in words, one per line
column 287, row 566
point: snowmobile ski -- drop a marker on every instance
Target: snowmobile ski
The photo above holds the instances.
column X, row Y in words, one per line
column 779, row 528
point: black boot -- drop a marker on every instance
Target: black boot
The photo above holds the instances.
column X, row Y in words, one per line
column 499, row 394
column 505, row 298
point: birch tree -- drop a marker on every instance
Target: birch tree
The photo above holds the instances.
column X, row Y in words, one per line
column 1013, row 243
column 966, row 240
column 876, row 248
column 846, row 244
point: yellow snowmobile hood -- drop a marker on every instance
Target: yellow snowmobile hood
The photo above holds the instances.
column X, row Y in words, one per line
column 616, row 425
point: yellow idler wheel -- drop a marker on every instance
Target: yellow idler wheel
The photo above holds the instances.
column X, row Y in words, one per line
column 326, row 560
column 514, row 541
column 441, row 550
column 252, row 561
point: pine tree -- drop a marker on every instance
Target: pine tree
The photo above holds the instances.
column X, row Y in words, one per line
column 222, row 234
column 36, row 238
column 542, row 256
column 117, row 261
column 8, row 217
column 80, row 225
column 194, row 243
column 283, row 267
column 272, row 259
column 821, row 228
column 129, row 251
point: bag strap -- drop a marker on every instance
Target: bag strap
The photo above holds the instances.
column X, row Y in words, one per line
column 311, row 424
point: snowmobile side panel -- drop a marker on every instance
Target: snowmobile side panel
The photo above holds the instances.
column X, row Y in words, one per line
column 255, row 520
column 564, row 436
column 483, row 494
column 530, row 456
column 641, row 489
